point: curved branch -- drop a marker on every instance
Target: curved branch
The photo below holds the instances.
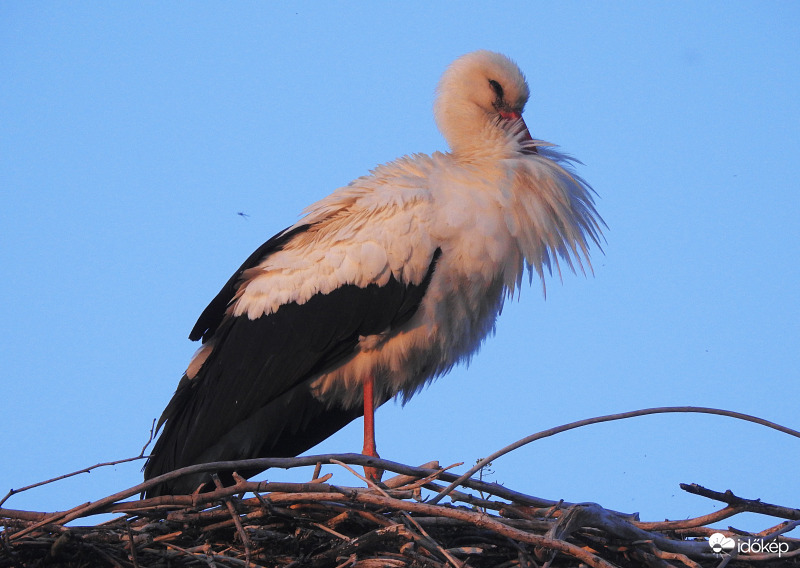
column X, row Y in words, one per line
column 141, row 456
column 608, row 418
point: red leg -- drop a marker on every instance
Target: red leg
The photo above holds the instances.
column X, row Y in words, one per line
column 369, row 429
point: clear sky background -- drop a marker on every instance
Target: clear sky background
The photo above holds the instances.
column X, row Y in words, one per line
column 132, row 135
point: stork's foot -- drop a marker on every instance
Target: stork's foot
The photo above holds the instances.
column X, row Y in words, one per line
column 374, row 474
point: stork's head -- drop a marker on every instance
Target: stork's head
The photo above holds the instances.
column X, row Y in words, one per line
column 480, row 99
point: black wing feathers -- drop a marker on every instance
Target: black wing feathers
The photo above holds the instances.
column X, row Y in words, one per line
column 251, row 397
column 212, row 316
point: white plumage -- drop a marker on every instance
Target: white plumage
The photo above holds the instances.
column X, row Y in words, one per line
column 434, row 243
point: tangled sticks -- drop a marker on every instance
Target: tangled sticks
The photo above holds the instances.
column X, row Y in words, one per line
column 399, row 523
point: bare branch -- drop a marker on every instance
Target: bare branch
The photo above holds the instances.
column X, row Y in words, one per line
column 67, row 475
column 597, row 420
column 742, row 504
column 84, row 470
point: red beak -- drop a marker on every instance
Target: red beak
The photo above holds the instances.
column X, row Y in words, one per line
column 516, row 116
column 527, row 135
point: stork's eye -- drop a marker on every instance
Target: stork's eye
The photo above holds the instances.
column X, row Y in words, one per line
column 497, row 88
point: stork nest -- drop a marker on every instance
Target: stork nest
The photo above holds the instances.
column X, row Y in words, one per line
column 399, row 522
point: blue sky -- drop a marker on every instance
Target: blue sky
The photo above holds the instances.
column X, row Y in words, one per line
column 131, row 135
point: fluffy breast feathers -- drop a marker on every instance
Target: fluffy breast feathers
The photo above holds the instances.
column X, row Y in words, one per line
column 490, row 219
column 489, row 222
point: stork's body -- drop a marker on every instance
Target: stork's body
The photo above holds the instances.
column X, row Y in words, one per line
column 389, row 281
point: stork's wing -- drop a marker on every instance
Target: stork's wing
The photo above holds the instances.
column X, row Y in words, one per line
column 251, row 397
column 212, row 316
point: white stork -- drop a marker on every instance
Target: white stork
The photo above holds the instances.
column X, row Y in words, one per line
column 382, row 286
